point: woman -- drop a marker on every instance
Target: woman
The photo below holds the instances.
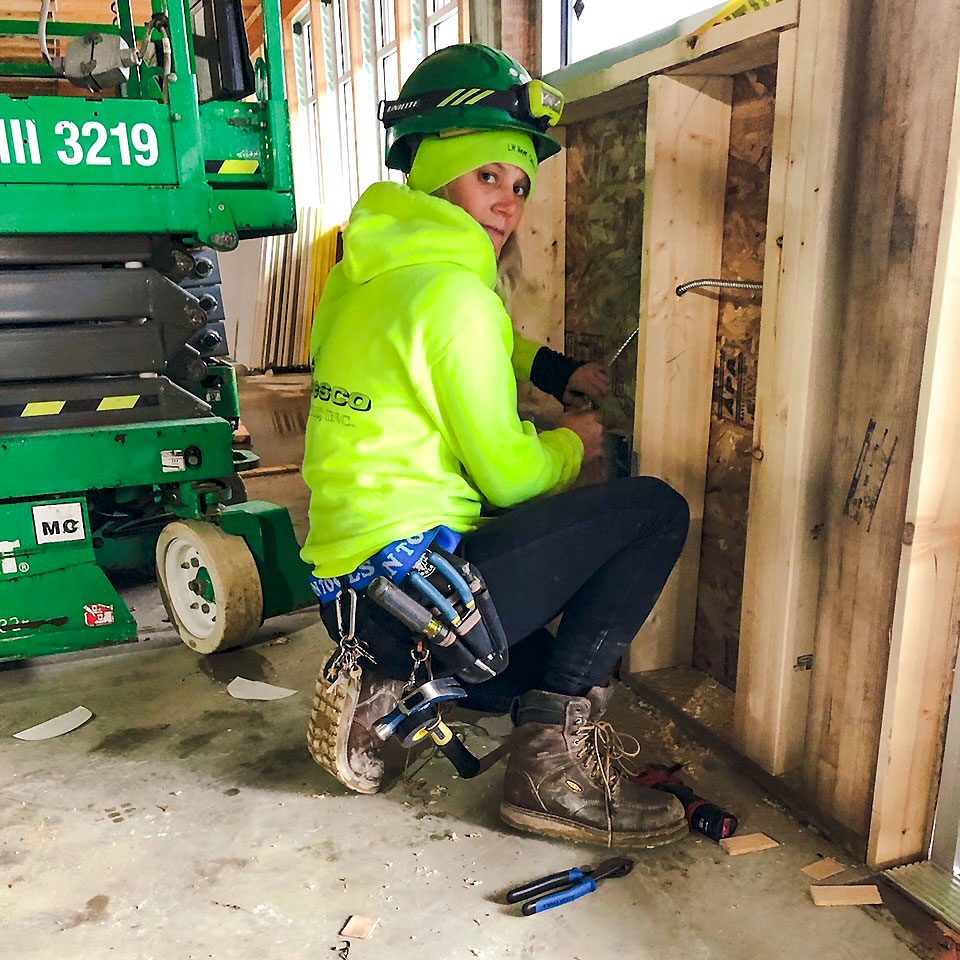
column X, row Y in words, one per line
column 414, row 432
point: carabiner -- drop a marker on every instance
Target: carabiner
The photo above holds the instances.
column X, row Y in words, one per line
column 338, row 604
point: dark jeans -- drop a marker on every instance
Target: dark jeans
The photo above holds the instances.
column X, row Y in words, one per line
column 599, row 555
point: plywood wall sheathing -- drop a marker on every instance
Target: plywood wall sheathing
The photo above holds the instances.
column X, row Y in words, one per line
column 804, row 273
column 688, row 130
column 729, row 457
column 907, row 83
column 927, row 612
column 605, row 172
column 73, row 11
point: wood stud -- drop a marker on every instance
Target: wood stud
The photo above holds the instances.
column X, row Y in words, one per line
column 799, row 339
column 688, row 129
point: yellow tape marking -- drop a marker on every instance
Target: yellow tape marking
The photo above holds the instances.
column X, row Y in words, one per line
column 446, row 100
column 478, row 98
column 43, row 408
column 118, row 403
column 239, row 166
column 732, row 10
column 466, row 96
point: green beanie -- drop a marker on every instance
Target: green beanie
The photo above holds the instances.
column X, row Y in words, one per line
column 441, row 159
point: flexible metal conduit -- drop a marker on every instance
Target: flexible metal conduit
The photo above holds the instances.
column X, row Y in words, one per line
column 681, row 290
column 717, row 282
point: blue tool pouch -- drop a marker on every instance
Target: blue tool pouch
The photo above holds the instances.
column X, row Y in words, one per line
column 444, row 601
column 439, row 597
column 477, row 630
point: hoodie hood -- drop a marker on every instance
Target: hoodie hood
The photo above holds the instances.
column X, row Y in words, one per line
column 393, row 226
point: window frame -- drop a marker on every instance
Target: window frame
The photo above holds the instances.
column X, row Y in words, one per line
column 383, row 50
column 343, row 91
column 446, row 10
column 308, row 104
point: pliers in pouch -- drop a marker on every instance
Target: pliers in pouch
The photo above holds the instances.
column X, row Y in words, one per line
column 568, row 885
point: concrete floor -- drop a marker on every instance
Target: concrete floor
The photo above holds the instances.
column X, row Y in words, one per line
column 181, row 823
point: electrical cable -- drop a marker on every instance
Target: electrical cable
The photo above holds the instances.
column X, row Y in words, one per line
column 42, row 36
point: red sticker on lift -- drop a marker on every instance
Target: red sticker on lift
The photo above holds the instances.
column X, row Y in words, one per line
column 98, row 614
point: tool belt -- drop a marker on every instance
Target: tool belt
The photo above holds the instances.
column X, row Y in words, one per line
column 437, row 596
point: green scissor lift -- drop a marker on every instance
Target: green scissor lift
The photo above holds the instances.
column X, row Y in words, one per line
column 115, row 431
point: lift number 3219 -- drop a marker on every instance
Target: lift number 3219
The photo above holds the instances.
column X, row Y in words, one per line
column 85, row 143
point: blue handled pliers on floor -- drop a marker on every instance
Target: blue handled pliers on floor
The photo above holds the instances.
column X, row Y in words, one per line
column 568, row 885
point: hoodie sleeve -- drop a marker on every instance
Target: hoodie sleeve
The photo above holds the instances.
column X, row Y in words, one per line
column 524, row 353
column 474, row 390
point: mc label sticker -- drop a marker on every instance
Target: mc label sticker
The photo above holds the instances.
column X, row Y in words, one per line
column 59, row 523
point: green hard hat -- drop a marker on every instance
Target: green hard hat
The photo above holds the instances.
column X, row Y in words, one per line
column 468, row 86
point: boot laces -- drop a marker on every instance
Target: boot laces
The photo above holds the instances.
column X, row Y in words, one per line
column 607, row 753
column 607, row 756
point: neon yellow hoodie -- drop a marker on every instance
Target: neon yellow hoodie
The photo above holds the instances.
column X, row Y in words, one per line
column 413, row 419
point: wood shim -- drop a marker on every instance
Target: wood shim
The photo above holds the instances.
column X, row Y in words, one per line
column 359, row 927
column 821, row 869
column 842, row 896
column 749, row 843
column 948, row 932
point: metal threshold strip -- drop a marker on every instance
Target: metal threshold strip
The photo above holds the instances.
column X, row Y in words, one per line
column 932, row 887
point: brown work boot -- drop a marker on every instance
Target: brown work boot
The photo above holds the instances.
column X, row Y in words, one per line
column 340, row 733
column 565, row 777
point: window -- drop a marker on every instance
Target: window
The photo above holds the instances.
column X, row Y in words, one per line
column 441, row 24
column 603, row 24
column 338, row 97
column 388, row 71
column 343, row 84
column 308, row 169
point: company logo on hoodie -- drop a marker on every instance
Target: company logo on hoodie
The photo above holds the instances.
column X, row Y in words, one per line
column 341, row 397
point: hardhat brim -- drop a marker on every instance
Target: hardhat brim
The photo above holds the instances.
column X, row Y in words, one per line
column 405, row 137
